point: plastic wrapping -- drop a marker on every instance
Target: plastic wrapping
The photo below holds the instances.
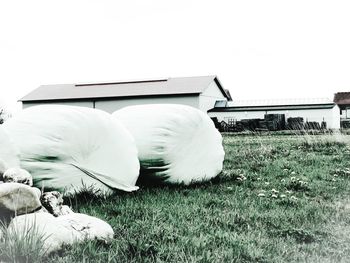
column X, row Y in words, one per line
column 70, row 148
column 9, row 155
column 176, row 143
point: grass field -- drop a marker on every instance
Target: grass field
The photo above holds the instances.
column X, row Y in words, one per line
column 279, row 199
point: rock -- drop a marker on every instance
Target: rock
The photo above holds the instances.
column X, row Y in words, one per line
column 53, row 202
column 87, row 227
column 64, row 230
column 43, row 226
column 18, row 199
column 66, row 210
column 42, row 210
column 37, row 191
column 18, row 175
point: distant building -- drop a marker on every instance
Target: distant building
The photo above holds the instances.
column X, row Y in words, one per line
column 198, row 92
column 321, row 111
column 342, row 99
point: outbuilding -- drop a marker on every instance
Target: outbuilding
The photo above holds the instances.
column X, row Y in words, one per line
column 199, row 92
column 322, row 112
column 342, row 99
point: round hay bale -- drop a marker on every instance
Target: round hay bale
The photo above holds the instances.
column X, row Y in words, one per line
column 176, row 143
column 9, row 154
column 69, row 148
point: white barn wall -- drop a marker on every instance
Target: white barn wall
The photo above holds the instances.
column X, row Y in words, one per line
column 209, row 96
column 336, row 117
column 116, row 104
column 88, row 104
column 113, row 105
column 331, row 116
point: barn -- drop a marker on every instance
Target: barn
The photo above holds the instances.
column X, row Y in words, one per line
column 200, row 92
column 311, row 113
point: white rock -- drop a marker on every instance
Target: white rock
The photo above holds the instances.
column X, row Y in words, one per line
column 18, row 175
column 18, row 198
column 64, row 230
column 44, row 226
column 65, row 210
column 42, row 210
column 87, row 227
column 37, row 191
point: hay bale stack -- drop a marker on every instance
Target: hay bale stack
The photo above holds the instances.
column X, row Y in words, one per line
column 69, row 148
column 176, row 143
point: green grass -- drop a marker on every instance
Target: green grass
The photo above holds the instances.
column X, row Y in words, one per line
column 25, row 245
column 279, row 199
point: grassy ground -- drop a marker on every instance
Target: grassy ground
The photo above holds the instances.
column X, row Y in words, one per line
column 279, row 199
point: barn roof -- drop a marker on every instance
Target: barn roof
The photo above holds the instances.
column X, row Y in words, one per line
column 342, row 98
column 157, row 87
column 276, row 104
column 279, row 102
column 275, row 107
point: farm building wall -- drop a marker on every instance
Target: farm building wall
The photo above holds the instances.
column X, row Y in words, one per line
column 330, row 116
column 209, row 96
column 116, row 104
column 336, row 117
column 113, row 105
column 88, row 104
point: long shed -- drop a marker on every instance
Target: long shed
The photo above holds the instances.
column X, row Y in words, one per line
column 310, row 110
column 199, row 92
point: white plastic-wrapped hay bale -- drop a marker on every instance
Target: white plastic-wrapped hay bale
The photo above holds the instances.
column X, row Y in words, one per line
column 176, row 143
column 70, row 148
column 9, row 155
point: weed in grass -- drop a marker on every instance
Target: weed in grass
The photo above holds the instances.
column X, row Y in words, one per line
column 298, row 185
column 140, row 250
column 24, row 245
column 328, row 145
column 345, row 172
column 300, row 235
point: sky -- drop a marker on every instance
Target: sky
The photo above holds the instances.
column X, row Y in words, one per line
column 258, row 49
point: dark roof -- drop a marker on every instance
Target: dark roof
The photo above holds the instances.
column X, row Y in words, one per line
column 275, row 107
column 159, row 87
column 342, row 98
column 229, row 97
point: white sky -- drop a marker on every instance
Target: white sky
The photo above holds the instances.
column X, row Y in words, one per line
column 259, row 49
